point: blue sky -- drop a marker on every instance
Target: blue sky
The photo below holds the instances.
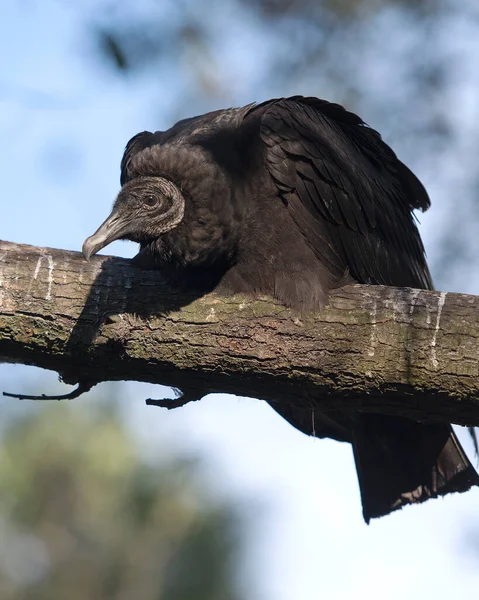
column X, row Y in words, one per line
column 64, row 121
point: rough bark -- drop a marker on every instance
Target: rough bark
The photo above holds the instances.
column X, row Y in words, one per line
column 388, row 350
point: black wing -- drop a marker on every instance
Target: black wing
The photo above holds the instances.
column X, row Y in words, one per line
column 347, row 191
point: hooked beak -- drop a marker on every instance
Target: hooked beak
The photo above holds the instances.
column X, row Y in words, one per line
column 113, row 228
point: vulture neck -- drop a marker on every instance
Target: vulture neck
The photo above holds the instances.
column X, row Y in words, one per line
column 236, row 235
column 207, row 237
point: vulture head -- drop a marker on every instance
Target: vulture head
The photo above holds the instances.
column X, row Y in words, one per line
column 145, row 208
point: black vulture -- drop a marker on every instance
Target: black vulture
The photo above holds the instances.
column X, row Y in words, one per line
column 292, row 197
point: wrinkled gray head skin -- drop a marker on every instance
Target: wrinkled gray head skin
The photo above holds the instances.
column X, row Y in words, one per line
column 145, row 208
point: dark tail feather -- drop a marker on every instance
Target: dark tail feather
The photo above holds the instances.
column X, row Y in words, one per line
column 472, row 433
column 401, row 462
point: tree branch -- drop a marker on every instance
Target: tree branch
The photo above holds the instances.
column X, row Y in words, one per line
column 396, row 351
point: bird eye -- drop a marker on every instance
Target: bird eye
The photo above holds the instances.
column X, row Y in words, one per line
column 150, row 200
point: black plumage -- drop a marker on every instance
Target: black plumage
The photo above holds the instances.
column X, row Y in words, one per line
column 292, row 197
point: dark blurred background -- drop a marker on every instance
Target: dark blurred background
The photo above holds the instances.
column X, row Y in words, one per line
column 106, row 498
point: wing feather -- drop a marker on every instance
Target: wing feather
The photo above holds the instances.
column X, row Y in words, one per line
column 358, row 195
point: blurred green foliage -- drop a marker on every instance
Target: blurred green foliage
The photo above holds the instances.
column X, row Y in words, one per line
column 84, row 516
column 388, row 60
